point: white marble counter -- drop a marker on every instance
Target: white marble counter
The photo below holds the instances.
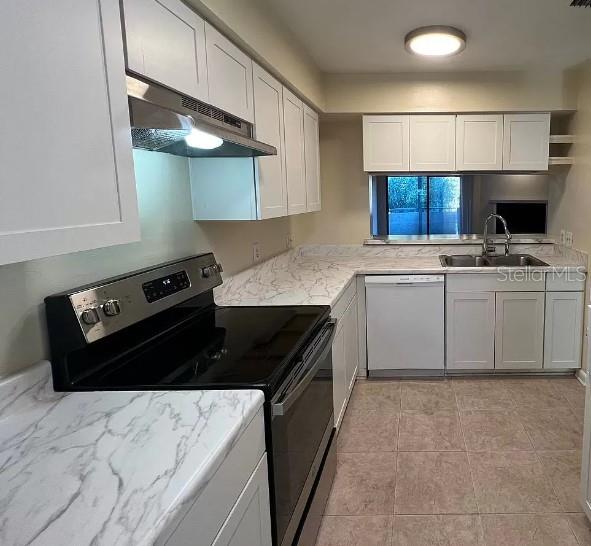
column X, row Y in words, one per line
column 108, row 468
column 318, row 274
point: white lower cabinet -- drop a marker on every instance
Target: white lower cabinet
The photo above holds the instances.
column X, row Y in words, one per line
column 519, row 330
column 233, row 508
column 563, row 330
column 470, row 330
column 345, row 354
column 250, row 519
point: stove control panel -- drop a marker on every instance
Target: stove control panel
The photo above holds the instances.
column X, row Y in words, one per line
column 113, row 304
column 165, row 286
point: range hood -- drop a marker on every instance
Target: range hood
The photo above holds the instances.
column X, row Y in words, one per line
column 161, row 119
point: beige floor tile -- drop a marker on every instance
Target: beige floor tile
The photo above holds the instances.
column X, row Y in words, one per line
column 430, row 431
column 472, row 394
column 434, row 483
column 552, row 429
column 511, row 482
column 535, row 393
column 581, row 528
column 363, row 485
column 572, row 390
column 437, row 531
column 368, row 430
column 375, row 395
column 428, row 395
column 564, row 470
column 528, row 530
column 355, row 531
column 494, row 430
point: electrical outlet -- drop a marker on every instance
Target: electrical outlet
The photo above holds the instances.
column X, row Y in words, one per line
column 569, row 239
column 288, row 242
column 562, row 237
column 256, row 252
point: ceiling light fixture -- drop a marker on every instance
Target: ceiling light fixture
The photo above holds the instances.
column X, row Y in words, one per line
column 435, row 41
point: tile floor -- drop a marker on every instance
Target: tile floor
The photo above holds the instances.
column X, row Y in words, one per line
column 459, row 462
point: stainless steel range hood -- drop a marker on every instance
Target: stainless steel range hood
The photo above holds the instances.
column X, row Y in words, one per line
column 162, row 118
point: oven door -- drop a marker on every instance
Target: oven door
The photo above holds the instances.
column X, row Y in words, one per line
column 301, row 426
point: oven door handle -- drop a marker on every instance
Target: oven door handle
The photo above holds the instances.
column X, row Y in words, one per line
column 281, row 408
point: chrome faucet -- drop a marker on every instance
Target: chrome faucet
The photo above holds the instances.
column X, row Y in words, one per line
column 488, row 245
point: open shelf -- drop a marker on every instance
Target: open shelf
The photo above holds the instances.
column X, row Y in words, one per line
column 562, row 139
column 561, row 160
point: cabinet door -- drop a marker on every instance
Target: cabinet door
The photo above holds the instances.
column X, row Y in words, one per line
column 229, row 75
column 432, row 143
column 563, row 330
column 339, row 375
column 293, row 112
column 479, row 142
column 386, row 143
column 526, row 140
column 249, row 521
column 351, row 345
column 470, row 330
column 166, row 43
column 519, row 330
column 67, row 181
column 268, row 117
column 312, row 159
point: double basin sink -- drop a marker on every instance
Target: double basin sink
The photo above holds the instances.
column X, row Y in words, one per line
column 512, row 260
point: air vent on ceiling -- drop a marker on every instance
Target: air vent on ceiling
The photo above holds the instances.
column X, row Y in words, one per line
column 581, row 3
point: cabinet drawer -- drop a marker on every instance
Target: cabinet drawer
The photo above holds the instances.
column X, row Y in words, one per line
column 565, row 281
column 514, row 281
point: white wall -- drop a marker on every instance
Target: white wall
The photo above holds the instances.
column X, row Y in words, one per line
column 447, row 92
column 168, row 232
column 344, row 217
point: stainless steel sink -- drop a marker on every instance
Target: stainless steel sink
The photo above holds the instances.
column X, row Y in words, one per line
column 463, row 261
column 513, row 260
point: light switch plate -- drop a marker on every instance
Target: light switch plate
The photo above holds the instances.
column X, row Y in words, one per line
column 562, row 237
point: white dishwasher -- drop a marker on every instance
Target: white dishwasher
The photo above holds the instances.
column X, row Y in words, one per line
column 405, row 323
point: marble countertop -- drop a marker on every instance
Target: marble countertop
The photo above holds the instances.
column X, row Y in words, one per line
column 318, row 276
column 108, row 468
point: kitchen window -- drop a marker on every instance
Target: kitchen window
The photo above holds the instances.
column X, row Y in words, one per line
column 418, row 205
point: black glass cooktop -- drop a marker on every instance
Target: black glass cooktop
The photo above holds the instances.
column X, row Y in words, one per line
column 221, row 347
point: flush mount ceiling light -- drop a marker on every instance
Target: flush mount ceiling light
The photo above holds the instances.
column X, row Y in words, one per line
column 435, row 41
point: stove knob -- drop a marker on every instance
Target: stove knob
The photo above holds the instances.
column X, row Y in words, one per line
column 111, row 308
column 206, row 272
column 90, row 316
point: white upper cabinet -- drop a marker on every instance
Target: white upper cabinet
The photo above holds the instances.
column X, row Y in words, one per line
column 293, row 113
column 67, row 180
column 166, row 43
column 229, row 73
column 525, row 142
column 312, row 159
column 386, row 143
column 479, row 142
column 432, row 143
column 268, row 116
